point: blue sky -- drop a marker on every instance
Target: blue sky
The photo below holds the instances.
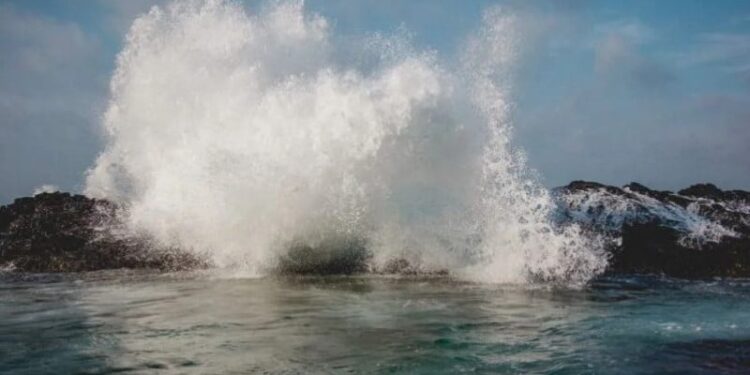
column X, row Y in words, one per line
column 650, row 91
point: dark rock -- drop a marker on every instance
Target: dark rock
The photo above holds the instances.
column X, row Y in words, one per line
column 401, row 266
column 330, row 257
column 590, row 185
column 663, row 195
column 651, row 248
column 703, row 191
column 59, row 232
column 700, row 232
column 710, row 191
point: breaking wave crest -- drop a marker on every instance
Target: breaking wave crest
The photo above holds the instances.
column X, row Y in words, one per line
column 244, row 135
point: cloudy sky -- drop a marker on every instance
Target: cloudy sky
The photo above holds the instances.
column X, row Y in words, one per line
column 650, row 91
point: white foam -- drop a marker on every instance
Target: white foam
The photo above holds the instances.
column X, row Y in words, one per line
column 239, row 134
column 611, row 211
column 46, row 188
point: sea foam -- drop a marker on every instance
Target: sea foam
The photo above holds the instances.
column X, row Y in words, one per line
column 244, row 134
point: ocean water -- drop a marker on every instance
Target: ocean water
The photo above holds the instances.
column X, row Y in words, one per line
column 241, row 133
column 136, row 322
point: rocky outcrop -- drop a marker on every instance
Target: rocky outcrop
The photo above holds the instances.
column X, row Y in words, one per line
column 698, row 232
column 59, row 232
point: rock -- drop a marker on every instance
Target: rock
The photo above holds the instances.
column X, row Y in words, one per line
column 59, row 232
column 699, row 232
column 401, row 266
column 710, row 191
column 330, row 257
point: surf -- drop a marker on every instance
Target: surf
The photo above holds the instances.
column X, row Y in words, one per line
column 248, row 134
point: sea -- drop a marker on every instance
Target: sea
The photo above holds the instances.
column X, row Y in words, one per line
column 204, row 323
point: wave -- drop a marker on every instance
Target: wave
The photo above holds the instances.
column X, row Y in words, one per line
column 244, row 135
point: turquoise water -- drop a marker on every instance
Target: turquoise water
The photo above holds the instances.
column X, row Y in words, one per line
column 130, row 322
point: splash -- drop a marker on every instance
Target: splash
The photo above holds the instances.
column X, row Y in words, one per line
column 699, row 221
column 46, row 188
column 244, row 135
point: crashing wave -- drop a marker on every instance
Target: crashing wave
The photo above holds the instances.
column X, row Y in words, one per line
column 244, row 135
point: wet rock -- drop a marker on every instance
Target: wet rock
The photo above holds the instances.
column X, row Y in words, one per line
column 652, row 248
column 699, row 232
column 710, row 191
column 59, row 232
column 329, row 257
column 401, row 266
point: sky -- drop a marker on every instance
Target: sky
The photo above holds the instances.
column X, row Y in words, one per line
column 651, row 91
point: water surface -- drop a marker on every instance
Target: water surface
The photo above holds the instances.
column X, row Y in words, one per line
column 134, row 322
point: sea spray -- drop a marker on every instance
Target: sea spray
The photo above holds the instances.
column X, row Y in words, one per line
column 244, row 135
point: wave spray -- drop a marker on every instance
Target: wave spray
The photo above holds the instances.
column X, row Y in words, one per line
column 242, row 135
